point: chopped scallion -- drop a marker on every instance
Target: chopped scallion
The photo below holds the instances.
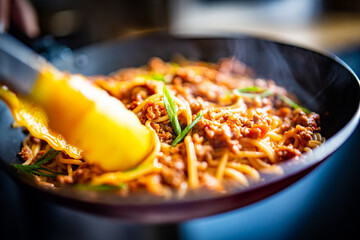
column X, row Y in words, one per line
column 250, row 89
column 292, row 104
column 158, row 77
column 171, row 111
column 253, row 91
column 186, row 130
column 175, row 65
column 154, row 76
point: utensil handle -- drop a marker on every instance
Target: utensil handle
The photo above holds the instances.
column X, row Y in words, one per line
column 19, row 65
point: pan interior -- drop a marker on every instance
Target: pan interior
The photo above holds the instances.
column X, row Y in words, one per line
column 322, row 84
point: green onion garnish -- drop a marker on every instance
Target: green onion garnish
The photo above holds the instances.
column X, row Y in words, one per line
column 253, row 91
column 46, row 158
column 102, row 187
column 174, row 64
column 292, row 104
column 171, row 111
column 154, row 76
column 158, row 77
column 250, row 89
column 33, row 169
column 186, row 130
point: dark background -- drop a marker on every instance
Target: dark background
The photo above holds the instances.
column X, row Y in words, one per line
column 324, row 204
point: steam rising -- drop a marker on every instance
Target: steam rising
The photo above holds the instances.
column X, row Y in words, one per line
column 269, row 61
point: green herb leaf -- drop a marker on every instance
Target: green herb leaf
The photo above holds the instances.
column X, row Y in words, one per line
column 186, row 130
column 25, row 171
column 266, row 93
column 253, row 91
column 43, row 174
column 102, row 187
column 33, row 169
column 158, row 77
column 292, row 104
column 154, row 76
column 22, row 168
column 49, row 170
column 171, row 111
column 250, row 89
column 227, row 94
column 46, row 158
column 174, row 64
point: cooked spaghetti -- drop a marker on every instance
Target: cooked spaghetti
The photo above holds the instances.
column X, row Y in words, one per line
column 213, row 126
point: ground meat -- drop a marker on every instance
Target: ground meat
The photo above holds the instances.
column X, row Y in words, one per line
column 286, row 152
column 197, row 104
column 25, row 153
column 304, row 134
column 189, row 76
column 176, row 159
column 185, row 93
column 256, row 119
column 172, row 178
column 227, row 130
column 158, row 65
column 85, row 172
column 164, row 132
column 40, row 154
column 133, row 97
column 203, row 151
column 285, row 126
column 208, row 91
column 312, row 120
column 210, row 182
column 65, row 179
column 154, row 111
column 191, row 85
column 232, row 65
column 283, row 112
column 138, row 95
column 262, row 83
column 254, row 133
column 219, row 134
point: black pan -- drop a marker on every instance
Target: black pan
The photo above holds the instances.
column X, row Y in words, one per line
column 322, row 82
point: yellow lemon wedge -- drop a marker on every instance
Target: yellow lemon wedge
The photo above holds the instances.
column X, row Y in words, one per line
column 34, row 119
column 89, row 118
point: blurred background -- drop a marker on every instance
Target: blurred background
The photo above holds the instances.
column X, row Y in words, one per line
column 323, row 204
